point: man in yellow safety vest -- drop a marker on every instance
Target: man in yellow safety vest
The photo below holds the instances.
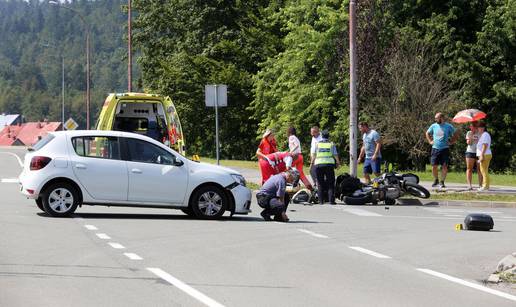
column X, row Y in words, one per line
column 325, row 161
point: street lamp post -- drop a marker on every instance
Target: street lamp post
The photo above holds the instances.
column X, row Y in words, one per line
column 129, row 47
column 62, row 85
column 87, row 27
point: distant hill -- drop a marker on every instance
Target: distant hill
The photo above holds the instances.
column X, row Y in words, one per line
column 34, row 35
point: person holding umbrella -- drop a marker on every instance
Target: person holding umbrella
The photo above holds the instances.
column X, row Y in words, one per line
column 472, row 137
column 471, row 116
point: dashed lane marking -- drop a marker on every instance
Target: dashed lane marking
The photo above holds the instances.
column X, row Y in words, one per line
column 133, row 256
column 116, row 245
column 103, row 236
column 10, row 180
column 317, row 235
column 185, row 288
column 90, row 227
column 369, row 252
column 360, row 212
column 469, row 284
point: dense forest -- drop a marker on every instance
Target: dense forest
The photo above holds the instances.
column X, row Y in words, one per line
column 36, row 35
column 285, row 63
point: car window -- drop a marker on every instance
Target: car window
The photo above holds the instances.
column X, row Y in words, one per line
column 97, row 147
column 142, row 151
column 42, row 142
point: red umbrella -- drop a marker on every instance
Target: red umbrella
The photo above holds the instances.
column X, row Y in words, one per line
column 469, row 115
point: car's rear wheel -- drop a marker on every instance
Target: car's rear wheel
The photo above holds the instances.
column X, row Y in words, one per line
column 39, row 203
column 60, row 199
column 209, row 202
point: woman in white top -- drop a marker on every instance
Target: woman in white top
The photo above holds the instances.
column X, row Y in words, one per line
column 484, row 154
column 472, row 137
column 294, row 145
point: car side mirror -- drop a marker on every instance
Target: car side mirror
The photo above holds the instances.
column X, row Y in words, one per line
column 178, row 162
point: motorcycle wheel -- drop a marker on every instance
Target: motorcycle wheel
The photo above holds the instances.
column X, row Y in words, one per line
column 358, row 200
column 416, row 190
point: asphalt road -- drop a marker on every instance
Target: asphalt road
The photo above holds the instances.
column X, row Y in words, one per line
column 326, row 256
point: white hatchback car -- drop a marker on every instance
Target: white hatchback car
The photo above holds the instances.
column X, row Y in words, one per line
column 111, row 168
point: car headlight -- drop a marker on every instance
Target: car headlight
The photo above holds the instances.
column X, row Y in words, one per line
column 239, row 179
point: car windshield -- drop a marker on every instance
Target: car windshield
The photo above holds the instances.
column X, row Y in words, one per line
column 44, row 141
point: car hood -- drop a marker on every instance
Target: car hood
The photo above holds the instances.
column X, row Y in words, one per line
column 198, row 166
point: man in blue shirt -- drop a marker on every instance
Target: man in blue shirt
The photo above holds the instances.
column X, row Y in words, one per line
column 440, row 135
column 371, row 150
column 273, row 198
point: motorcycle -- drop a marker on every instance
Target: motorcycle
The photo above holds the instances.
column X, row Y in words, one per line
column 387, row 188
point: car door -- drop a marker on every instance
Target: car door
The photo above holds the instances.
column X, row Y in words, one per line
column 99, row 168
column 154, row 175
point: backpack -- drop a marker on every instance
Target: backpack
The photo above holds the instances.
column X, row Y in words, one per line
column 346, row 185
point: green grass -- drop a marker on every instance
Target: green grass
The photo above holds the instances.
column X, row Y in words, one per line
column 472, row 196
column 457, row 177
column 233, row 163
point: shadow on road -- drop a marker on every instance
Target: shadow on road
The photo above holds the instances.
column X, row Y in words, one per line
column 140, row 216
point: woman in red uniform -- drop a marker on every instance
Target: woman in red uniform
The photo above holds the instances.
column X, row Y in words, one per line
column 280, row 162
column 267, row 146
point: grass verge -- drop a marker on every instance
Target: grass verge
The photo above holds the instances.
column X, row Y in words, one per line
column 474, row 197
column 457, row 177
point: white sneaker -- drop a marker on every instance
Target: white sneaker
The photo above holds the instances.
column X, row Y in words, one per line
column 482, row 189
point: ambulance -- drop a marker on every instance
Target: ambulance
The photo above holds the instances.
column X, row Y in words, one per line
column 148, row 114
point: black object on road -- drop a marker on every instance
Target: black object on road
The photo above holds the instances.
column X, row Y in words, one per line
column 478, row 221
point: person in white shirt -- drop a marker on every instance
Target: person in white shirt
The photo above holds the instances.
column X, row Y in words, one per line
column 484, row 154
column 294, row 145
column 316, row 138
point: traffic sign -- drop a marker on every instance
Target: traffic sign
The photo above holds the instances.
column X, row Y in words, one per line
column 216, row 95
column 70, row 124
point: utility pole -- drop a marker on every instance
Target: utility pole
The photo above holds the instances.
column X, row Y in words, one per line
column 353, row 104
column 129, row 53
column 62, row 92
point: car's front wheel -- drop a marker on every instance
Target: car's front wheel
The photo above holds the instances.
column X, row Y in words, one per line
column 209, row 202
column 39, row 203
column 60, row 199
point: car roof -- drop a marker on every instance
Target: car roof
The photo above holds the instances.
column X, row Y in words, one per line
column 75, row 133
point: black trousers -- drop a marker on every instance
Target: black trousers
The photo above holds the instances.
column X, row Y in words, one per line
column 313, row 174
column 272, row 205
column 326, row 182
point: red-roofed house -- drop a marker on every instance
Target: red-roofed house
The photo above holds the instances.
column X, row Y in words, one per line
column 26, row 134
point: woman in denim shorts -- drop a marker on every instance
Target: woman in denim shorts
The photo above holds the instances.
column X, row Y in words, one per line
column 472, row 137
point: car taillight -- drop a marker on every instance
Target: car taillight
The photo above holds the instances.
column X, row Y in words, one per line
column 39, row 162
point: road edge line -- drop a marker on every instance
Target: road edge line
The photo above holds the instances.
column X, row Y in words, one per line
column 468, row 284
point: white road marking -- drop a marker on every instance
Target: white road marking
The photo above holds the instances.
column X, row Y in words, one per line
column 16, row 156
column 10, row 180
column 451, row 215
column 185, row 288
column 369, row 252
column 313, row 234
column 469, row 284
column 133, row 256
column 116, row 245
column 103, row 236
column 90, row 227
column 360, row 212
